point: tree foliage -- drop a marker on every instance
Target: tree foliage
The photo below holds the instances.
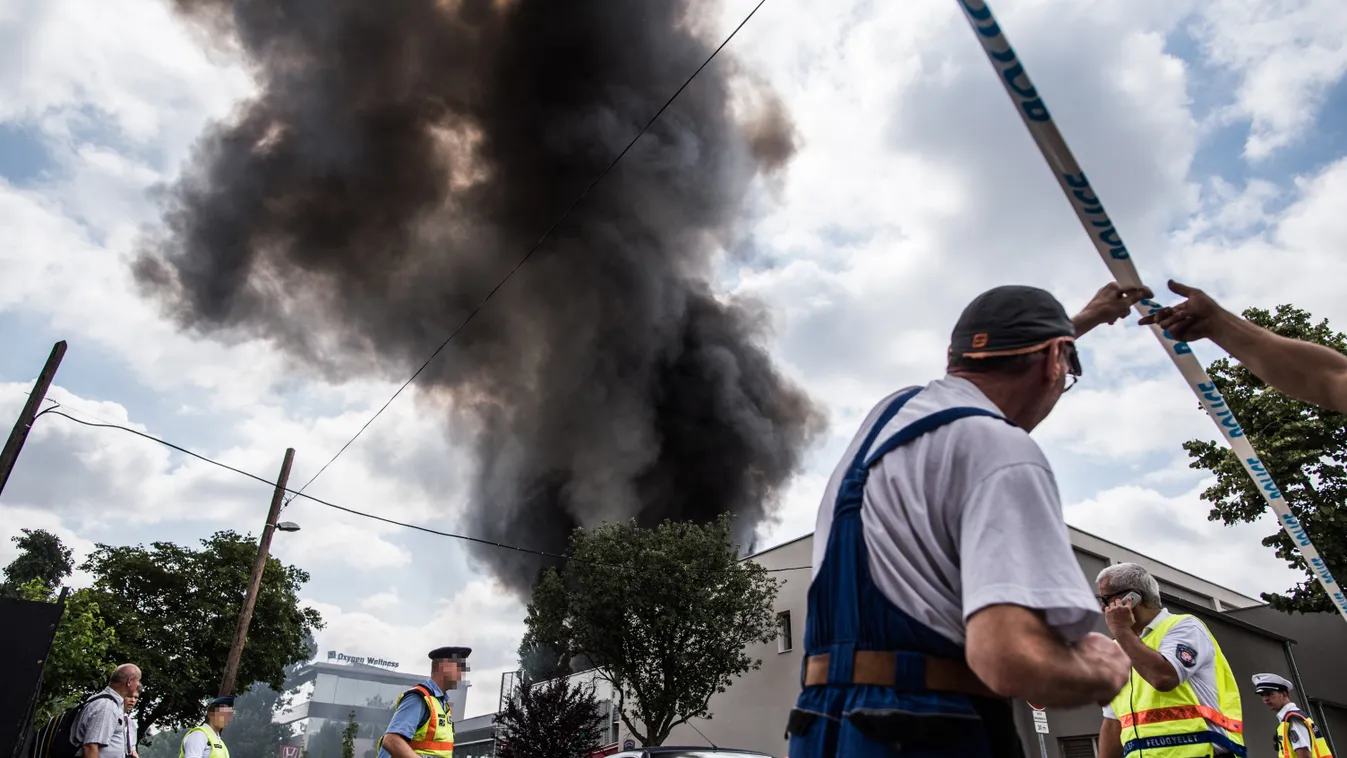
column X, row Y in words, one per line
column 175, row 610
column 41, row 557
column 664, row 613
column 81, row 659
column 551, row 719
column 348, row 737
column 1302, row 447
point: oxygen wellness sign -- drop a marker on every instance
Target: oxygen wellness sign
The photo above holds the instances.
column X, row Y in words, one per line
column 333, row 655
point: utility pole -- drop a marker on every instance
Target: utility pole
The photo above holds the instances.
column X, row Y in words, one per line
column 255, row 581
column 19, row 433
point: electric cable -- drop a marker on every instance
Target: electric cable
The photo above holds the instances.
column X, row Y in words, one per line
column 55, row 410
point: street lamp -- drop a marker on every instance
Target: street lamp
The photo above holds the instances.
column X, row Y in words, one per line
column 255, row 581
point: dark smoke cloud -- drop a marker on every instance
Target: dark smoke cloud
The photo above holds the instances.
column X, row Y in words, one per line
column 402, row 155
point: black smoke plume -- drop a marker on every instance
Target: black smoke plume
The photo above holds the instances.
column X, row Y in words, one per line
column 400, row 156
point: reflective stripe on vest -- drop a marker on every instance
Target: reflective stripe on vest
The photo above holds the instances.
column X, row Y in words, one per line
column 1318, row 745
column 436, row 736
column 1174, row 724
column 217, row 746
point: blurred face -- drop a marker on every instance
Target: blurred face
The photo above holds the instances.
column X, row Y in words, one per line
column 220, row 717
column 131, row 700
column 446, row 673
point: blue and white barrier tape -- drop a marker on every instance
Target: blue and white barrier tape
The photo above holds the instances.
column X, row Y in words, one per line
column 1109, row 243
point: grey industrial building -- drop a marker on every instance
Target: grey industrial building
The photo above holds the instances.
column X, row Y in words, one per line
column 1309, row 650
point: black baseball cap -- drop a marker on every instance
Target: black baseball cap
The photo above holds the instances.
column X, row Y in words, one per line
column 1011, row 320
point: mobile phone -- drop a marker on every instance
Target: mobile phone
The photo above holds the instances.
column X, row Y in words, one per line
column 1131, row 600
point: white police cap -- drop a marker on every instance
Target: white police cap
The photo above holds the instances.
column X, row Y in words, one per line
column 1265, row 683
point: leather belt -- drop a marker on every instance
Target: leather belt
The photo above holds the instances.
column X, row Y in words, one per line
column 875, row 667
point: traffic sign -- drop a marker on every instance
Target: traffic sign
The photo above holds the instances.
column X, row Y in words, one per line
column 1041, row 716
column 1041, row 727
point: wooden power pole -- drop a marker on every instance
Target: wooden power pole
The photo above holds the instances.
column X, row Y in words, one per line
column 10, row 455
column 255, row 581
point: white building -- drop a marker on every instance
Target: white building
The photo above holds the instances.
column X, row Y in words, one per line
column 351, row 686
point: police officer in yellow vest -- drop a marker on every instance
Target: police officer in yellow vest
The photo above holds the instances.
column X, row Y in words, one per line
column 423, row 722
column 1297, row 736
column 205, row 741
column 1181, row 699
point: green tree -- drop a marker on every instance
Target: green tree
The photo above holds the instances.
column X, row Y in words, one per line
column 545, row 651
column 327, row 742
column 80, row 660
column 41, row 557
column 175, row 610
column 664, row 613
column 348, row 737
column 1302, row 447
column 552, row 719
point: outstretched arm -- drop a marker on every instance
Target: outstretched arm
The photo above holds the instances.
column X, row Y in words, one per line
column 1306, row 371
column 1110, row 303
column 1303, row 370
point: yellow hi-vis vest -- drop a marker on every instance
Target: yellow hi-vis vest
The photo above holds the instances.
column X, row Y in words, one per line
column 217, row 746
column 1318, row 746
column 435, row 736
column 1175, row 724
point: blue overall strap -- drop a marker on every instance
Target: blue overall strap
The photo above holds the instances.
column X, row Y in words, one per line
column 835, row 622
column 928, row 424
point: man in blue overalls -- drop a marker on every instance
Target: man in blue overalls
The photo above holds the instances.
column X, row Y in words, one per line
column 944, row 578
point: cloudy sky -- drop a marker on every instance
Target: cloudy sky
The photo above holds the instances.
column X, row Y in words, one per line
column 1205, row 127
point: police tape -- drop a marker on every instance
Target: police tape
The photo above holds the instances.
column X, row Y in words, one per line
column 1109, row 243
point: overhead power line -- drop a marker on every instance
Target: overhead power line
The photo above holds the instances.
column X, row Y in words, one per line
column 473, row 313
column 55, row 410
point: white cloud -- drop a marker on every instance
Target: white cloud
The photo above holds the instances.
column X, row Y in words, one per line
column 916, row 188
column 1287, row 55
column 1122, row 422
column 481, row 615
column 1175, row 530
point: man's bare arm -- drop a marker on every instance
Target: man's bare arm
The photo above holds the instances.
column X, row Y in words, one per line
column 90, row 750
column 1109, row 304
column 1110, row 739
column 398, row 747
column 1303, row 370
column 1016, row 654
column 1149, row 664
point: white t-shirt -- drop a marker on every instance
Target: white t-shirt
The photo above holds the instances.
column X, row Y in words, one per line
column 1300, row 735
column 1187, row 646
column 964, row 517
column 196, row 744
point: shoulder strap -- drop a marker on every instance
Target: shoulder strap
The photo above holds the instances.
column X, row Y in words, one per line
column 1297, row 715
column 425, row 694
column 924, row 425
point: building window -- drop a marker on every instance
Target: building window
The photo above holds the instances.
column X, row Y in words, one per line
column 1079, row 747
column 783, row 637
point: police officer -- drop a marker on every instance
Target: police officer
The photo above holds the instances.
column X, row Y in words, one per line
column 944, row 578
column 204, row 741
column 1297, row 736
column 1181, row 699
column 423, row 722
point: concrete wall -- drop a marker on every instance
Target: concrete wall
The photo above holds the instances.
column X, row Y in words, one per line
column 1320, row 654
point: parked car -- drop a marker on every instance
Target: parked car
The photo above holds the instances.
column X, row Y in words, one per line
column 688, row 752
